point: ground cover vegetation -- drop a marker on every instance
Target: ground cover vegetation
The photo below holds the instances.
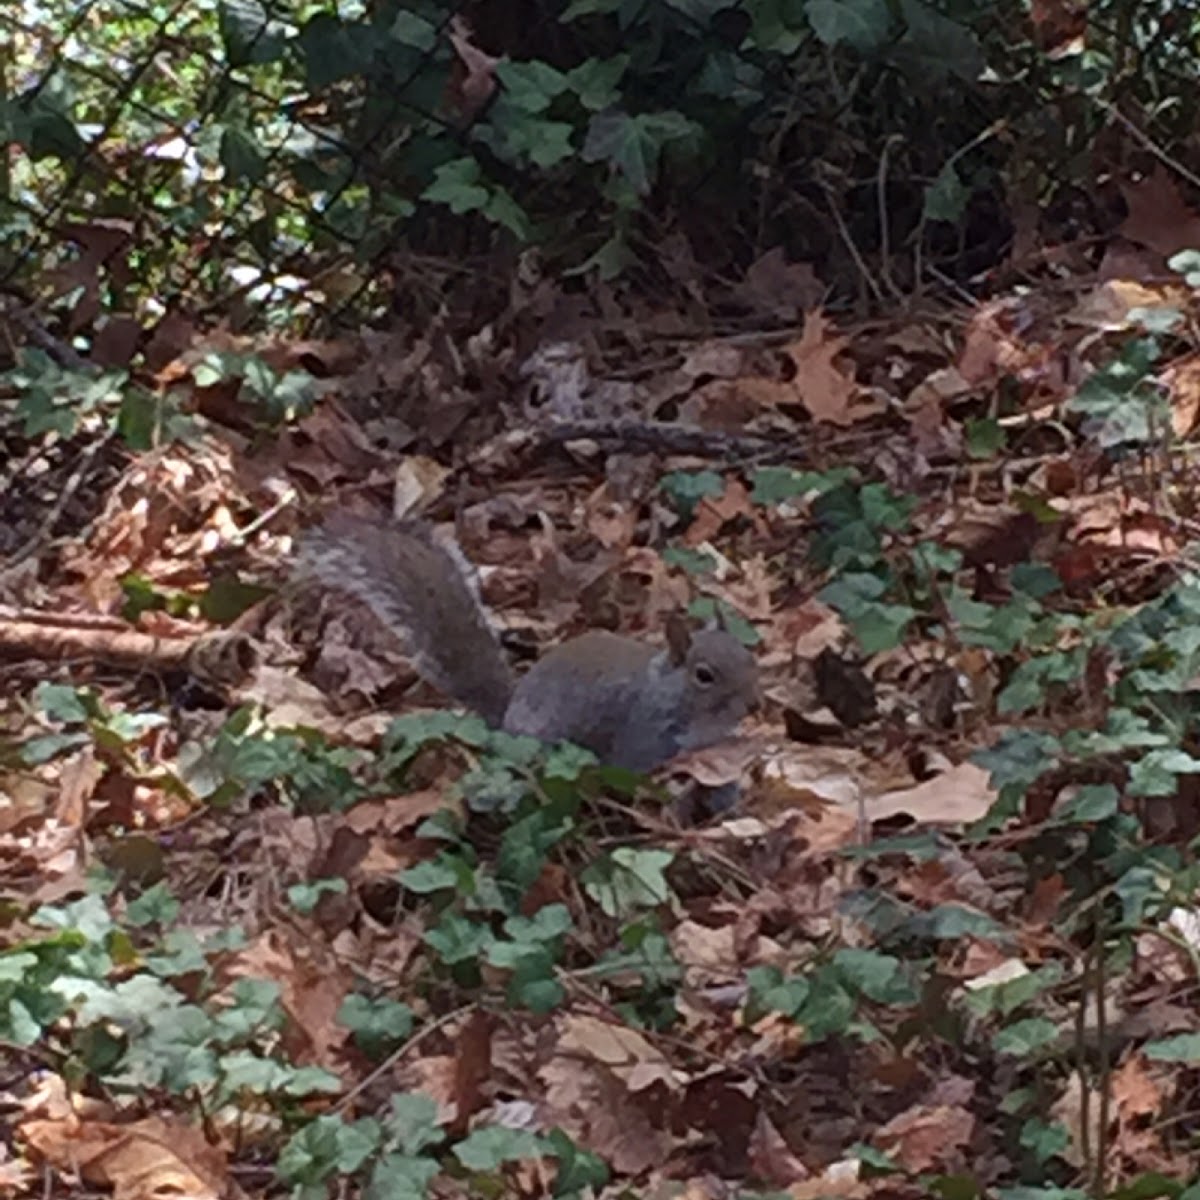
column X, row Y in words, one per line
column 868, row 327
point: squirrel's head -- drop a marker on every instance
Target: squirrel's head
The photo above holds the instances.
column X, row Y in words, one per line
column 722, row 675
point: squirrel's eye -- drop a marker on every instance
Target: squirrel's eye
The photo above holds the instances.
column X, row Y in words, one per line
column 704, row 674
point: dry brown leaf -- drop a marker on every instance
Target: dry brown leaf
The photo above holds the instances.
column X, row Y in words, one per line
column 16, row 1176
column 833, row 773
column 718, row 764
column 151, row 1159
column 1108, row 306
column 435, row 1075
column 474, row 78
column 840, row 1179
column 935, row 391
column 991, row 345
column 598, row 1112
column 957, row 796
column 116, row 341
column 1182, row 380
column 925, row 1138
column 417, row 482
column 78, row 779
column 718, row 360
column 623, row 1051
column 827, row 390
column 472, row 1066
column 1059, row 26
column 1135, row 1092
column 778, row 287
column 1159, row 217
column 398, row 814
column 610, row 521
column 713, row 512
column 707, row 954
column 771, row 1158
column 1069, row 1109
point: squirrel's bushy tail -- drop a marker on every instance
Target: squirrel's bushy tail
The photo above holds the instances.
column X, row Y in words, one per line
column 425, row 593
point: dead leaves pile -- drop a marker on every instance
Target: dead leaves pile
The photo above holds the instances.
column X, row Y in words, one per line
column 850, row 750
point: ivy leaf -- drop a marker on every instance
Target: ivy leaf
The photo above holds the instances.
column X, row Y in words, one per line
column 1155, row 773
column 241, row 158
column 458, row 940
column 595, row 81
column 456, row 185
column 632, row 145
column 41, row 124
column 377, row 1024
column 685, row 489
column 579, row 1171
column 863, row 24
column 248, row 33
column 701, row 11
column 772, row 991
column 1182, row 1048
column 412, row 30
column 520, row 136
column 934, row 46
column 588, row 8
column 879, row 977
column 629, row 880
column 1094, row 802
column 1024, row 1038
column 488, row 1148
column 531, row 86
column 412, row 1122
column 1043, row 1139
column 694, row 562
column 63, row 703
column 333, row 49
column 946, row 200
column 779, row 26
column 401, row 1177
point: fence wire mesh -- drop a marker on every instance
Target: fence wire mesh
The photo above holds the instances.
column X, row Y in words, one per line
column 164, row 156
column 263, row 162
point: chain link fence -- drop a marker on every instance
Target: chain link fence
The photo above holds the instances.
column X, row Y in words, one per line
column 270, row 162
column 167, row 156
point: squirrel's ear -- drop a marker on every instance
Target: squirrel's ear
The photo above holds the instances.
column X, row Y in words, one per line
column 679, row 637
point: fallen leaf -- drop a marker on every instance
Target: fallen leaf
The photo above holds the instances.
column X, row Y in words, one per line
column 620, row 1049
column 417, row 481
column 474, row 76
column 713, row 512
column 1134, row 1090
column 1069, row 1110
column 1059, row 26
column 955, row 797
column 1159, row 217
column 775, row 286
column 926, row 1138
column 1182, row 381
column 151, row 1159
column 772, row 1158
column 828, row 390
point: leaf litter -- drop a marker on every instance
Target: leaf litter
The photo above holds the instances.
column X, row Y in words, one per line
column 857, row 786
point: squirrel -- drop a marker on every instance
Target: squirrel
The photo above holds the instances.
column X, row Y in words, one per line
column 632, row 705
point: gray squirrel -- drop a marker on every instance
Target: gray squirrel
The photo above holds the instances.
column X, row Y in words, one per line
column 631, row 704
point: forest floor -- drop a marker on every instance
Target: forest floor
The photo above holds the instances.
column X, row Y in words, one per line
column 255, row 937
